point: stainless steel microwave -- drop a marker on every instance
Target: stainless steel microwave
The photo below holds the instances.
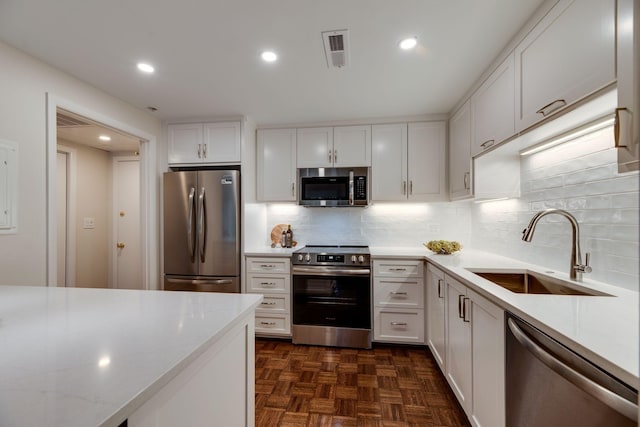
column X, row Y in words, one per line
column 333, row 187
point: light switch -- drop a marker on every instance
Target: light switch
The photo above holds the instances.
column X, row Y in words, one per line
column 89, row 223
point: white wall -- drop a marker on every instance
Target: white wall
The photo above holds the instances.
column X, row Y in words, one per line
column 581, row 177
column 24, row 82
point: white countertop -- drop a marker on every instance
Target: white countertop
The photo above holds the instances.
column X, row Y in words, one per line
column 86, row 357
column 604, row 329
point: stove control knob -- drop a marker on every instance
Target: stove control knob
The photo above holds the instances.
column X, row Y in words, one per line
column 354, row 258
column 307, row 257
column 299, row 257
column 360, row 259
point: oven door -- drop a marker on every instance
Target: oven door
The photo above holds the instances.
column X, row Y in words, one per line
column 329, row 299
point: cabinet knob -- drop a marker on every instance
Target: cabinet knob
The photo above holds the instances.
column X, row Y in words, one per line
column 120, row 245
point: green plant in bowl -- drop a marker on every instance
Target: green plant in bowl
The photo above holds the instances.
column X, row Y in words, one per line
column 445, row 247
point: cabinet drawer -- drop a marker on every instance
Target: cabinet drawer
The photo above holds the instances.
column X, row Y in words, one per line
column 278, row 303
column 399, row 325
column 397, row 268
column 273, row 325
column 269, row 265
column 399, row 293
column 260, row 283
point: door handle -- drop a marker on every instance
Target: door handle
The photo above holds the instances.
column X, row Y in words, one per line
column 551, row 107
column 201, row 225
column 460, row 307
column 440, row 288
column 190, row 241
column 120, row 245
column 467, row 177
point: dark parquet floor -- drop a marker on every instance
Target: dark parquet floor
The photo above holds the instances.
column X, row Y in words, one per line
column 388, row 386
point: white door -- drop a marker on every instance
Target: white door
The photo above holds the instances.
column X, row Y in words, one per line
column 389, row 162
column 128, row 259
column 352, row 146
column 314, row 147
column 277, row 165
column 426, row 161
column 61, row 218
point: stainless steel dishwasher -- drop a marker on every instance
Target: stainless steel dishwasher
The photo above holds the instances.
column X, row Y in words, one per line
column 549, row 385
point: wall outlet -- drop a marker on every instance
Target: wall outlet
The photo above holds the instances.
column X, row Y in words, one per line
column 434, row 228
column 89, row 223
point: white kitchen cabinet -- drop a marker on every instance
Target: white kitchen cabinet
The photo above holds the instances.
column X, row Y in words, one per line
column 492, row 108
column 628, row 60
column 460, row 163
column 436, row 310
column 569, row 54
column 204, row 143
column 408, row 162
column 276, row 173
column 345, row 146
column 398, row 295
column 475, row 354
column 271, row 277
column 8, row 187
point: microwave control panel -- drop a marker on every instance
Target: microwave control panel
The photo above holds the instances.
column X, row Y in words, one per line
column 360, row 188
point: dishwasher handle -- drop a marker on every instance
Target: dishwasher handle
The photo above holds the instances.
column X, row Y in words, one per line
column 604, row 395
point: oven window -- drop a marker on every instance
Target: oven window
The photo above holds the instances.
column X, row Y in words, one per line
column 332, row 301
column 335, row 188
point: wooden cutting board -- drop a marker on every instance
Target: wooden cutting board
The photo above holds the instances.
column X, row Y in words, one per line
column 276, row 233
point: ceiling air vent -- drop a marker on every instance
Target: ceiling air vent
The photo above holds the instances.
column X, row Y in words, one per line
column 336, row 48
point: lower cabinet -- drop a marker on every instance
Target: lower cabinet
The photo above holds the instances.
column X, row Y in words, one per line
column 398, row 295
column 475, row 359
column 271, row 277
column 436, row 310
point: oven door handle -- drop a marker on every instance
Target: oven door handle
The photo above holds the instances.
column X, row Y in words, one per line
column 330, row 271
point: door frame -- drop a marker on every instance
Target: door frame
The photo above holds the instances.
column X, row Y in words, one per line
column 70, row 265
column 114, row 214
column 148, row 187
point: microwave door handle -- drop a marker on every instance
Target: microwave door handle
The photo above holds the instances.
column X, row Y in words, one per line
column 201, row 225
column 351, row 188
column 190, row 241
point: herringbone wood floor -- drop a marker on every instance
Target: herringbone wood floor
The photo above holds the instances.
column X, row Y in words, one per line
column 387, row 386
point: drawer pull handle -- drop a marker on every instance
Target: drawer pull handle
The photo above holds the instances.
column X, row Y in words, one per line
column 398, row 293
column 268, row 303
column 398, row 323
column 551, row 107
column 397, row 269
column 268, row 323
column 270, row 284
column 267, row 266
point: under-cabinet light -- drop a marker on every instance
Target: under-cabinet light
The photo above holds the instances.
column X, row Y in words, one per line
column 104, row 138
column 588, row 128
column 497, row 199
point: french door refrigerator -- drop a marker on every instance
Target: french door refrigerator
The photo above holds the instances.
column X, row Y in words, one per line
column 202, row 230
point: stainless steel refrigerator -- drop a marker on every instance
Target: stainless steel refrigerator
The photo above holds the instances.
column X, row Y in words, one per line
column 202, row 230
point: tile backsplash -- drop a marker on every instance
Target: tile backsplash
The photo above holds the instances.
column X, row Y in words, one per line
column 581, row 177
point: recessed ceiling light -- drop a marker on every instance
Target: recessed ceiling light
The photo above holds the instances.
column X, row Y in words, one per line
column 104, row 138
column 269, row 56
column 409, row 43
column 145, row 68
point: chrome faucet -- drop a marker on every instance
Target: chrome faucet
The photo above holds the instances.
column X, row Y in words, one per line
column 577, row 268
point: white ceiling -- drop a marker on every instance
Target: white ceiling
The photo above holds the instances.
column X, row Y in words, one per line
column 206, row 53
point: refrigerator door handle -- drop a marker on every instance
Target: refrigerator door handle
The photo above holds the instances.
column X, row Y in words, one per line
column 201, row 224
column 190, row 241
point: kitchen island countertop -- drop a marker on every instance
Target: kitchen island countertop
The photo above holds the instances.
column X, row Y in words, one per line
column 84, row 357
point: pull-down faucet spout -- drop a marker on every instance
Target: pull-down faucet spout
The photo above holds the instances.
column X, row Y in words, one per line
column 577, row 268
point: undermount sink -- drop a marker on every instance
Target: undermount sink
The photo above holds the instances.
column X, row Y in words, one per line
column 527, row 282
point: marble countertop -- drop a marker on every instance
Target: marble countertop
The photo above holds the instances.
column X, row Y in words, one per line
column 603, row 329
column 85, row 357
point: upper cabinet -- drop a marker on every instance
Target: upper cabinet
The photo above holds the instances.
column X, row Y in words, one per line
column 276, row 174
column 460, row 154
column 345, row 146
column 492, row 107
column 204, row 143
column 568, row 55
column 408, row 162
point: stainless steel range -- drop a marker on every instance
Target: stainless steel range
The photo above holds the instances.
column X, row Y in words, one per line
column 332, row 296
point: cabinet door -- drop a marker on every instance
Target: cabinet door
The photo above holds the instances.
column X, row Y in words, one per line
column 352, row 146
column 488, row 349
column 389, row 162
column 436, row 293
column 460, row 154
column 315, row 147
column 492, row 108
column 276, row 172
column 222, row 142
column 458, row 351
column 568, row 55
column 427, row 161
column 185, row 143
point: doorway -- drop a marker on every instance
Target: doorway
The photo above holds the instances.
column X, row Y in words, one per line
column 143, row 214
